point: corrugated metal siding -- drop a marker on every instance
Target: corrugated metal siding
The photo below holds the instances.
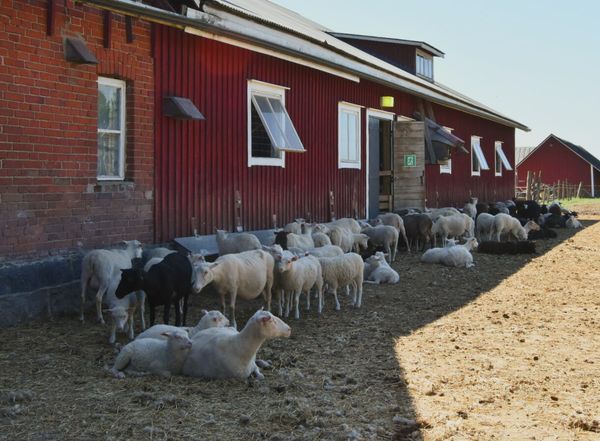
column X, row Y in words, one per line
column 557, row 163
column 400, row 56
column 201, row 165
column 456, row 188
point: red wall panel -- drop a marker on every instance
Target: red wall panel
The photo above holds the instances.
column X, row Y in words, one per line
column 201, row 165
column 557, row 163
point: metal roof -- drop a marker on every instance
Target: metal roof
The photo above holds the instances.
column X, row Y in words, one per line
column 420, row 44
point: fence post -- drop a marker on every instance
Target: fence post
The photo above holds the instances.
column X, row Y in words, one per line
column 528, row 186
column 579, row 190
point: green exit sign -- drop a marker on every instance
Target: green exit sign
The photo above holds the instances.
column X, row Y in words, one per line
column 410, row 160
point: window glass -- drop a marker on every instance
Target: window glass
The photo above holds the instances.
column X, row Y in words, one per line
column 111, row 130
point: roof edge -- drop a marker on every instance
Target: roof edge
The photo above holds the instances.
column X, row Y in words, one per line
column 421, row 44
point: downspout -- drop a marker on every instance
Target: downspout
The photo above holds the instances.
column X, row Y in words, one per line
column 592, row 173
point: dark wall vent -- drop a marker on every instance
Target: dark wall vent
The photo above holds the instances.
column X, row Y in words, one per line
column 76, row 51
column 181, row 108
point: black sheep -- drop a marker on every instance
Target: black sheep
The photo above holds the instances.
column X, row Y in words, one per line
column 482, row 208
column 165, row 283
column 528, row 209
column 544, row 233
column 520, row 247
column 281, row 239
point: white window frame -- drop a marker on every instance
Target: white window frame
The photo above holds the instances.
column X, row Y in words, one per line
column 446, row 169
column 482, row 163
column 269, row 90
column 113, row 82
column 383, row 115
column 504, row 162
column 420, row 70
column 355, row 109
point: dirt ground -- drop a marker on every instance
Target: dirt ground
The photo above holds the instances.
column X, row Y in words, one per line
column 509, row 349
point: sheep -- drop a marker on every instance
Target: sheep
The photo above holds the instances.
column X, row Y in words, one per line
column 503, row 223
column 166, row 282
column 360, row 242
column 155, row 356
column 395, row 221
column 246, row 275
column 436, row 213
column 385, row 236
column 418, row 228
column 528, row 209
column 236, row 243
column 304, row 240
column 293, row 227
column 458, row 255
column 326, row 251
column 209, row 319
column 520, row 247
column 342, row 237
column 573, row 223
column 470, row 208
column 481, row 208
column 275, row 251
column 457, row 225
column 543, row 233
column 379, row 270
column 219, row 353
column 159, row 252
column 342, row 271
column 298, row 275
column 484, row 225
column 345, row 222
column 98, row 268
column 122, row 310
column 320, row 239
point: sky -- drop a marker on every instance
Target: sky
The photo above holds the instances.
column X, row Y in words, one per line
column 535, row 61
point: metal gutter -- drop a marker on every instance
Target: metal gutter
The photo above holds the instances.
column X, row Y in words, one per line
column 231, row 25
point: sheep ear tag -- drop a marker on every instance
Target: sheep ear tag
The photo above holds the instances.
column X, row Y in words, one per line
column 265, row 318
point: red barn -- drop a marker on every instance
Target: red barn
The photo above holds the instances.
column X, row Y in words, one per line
column 560, row 160
column 123, row 120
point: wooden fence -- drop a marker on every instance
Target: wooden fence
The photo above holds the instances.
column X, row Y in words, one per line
column 536, row 190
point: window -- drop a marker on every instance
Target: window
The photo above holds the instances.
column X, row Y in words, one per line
column 447, row 168
column 111, row 129
column 424, row 65
column 348, row 136
column 501, row 159
column 478, row 161
column 270, row 130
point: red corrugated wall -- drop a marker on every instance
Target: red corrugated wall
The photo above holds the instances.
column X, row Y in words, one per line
column 200, row 165
column 557, row 163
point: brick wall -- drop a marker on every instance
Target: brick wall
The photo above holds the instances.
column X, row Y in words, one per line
column 50, row 199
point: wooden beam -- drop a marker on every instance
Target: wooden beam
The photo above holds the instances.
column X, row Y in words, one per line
column 50, row 17
column 107, row 19
column 129, row 29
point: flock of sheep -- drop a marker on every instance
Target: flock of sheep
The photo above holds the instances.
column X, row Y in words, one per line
column 303, row 259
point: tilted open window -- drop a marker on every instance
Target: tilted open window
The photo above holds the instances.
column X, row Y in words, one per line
column 501, row 159
column 270, row 129
column 478, row 161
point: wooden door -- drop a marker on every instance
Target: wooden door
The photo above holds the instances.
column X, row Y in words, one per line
column 409, row 164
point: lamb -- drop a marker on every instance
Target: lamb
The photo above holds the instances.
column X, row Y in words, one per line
column 297, row 276
column 99, row 267
column 395, row 221
column 226, row 353
column 484, row 225
column 210, row 319
column 164, row 358
column 457, row 256
column 361, row 242
column 385, row 236
column 470, row 208
column 572, row 222
column 165, row 283
column 342, row 271
column 418, row 229
column 304, row 240
column 520, row 247
column 436, row 213
column 457, row 226
column 379, row 271
column 246, row 275
column 122, row 310
column 320, row 239
column 293, row 227
column 236, row 243
column 503, row 223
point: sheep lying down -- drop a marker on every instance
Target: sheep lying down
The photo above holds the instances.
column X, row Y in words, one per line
column 210, row 319
column 227, row 353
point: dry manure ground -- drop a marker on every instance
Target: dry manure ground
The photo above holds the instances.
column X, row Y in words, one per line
column 509, row 349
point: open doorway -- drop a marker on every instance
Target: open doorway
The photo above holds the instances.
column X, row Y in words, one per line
column 380, row 176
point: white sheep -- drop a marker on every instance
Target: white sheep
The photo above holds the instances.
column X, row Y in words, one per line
column 396, row 221
column 299, row 275
column 456, row 225
column 326, row 251
column 246, row 275
column 150, row 355
column 385, row 236
column 470, row 208
column 236, row 243
column 210, row 319
column 226, row 353
column 458, row 255
column 293, row 227
column 340, row 271
column 436, row 213
column 98, row 268
column 484, row 224
column 122, row 310
column 504, row 223
column 572, row 222
column 342, row 237
column 379, row 271
column 345, row 222
column 159, row 252
column 304, row 240
column 320, row 239
column 277, row 251
column 361, row 242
